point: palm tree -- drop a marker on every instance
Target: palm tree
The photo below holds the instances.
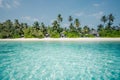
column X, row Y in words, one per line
column 100, row 27
column 55, row 25
column 111, row 19
column 43, row 28
column 36, row 25
column 1, row 27
column 8, row 24
column 24, row 25
column 104, row 19
column 17, row 29
column 86, row 29
column 59, row 18
column 7, row 27
column 42, row 25
column 72, row 28
column 70, row 19
column 77, row 23
column 16, row 24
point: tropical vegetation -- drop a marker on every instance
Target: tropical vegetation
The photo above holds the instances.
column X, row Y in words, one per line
column 9, row 29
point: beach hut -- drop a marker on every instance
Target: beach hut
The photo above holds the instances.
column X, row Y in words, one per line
column 62, row 34
column 47, row 35
column 95, row 33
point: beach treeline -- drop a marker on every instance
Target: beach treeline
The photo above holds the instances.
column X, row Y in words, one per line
column 15, row 29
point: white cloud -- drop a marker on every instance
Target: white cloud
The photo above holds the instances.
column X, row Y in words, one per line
column 1, row 3
column 16, row 3
column 97, row 15
column 66, row 25
column 96, row 5
column 9, row 3
column 35, row 19
column 26, row 17
column 91, row 25
column 79, row 14
column 29, row 18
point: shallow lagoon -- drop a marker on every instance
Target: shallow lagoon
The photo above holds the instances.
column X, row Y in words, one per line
column 36, row 60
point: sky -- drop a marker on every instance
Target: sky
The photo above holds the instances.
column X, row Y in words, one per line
column 88, row 12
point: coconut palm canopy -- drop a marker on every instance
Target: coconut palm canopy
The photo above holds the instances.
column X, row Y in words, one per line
column 16, row 29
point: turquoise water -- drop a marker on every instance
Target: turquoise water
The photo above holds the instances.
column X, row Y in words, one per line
column 59, row 60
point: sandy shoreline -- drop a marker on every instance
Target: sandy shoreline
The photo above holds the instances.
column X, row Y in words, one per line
column 62, row 39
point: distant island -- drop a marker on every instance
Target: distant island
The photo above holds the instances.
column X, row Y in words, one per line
column 9, row 29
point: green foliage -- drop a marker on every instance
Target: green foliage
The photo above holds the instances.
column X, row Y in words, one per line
column 112, row 33
column 9, row 29
column 109, row 30
column 55, row 34
column 37, row 34
column 3, row 35
column 72, row 35
column 33, row 33
column 89, row 35
column 27, row 32
column 77, row 23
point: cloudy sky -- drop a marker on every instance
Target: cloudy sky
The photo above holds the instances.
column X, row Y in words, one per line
column 87, row 11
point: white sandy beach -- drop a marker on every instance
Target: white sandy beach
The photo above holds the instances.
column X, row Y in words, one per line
column 62, row 39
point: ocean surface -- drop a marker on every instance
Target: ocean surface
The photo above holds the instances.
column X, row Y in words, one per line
column 34, row 60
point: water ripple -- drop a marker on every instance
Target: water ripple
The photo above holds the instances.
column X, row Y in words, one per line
column 59, row 61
